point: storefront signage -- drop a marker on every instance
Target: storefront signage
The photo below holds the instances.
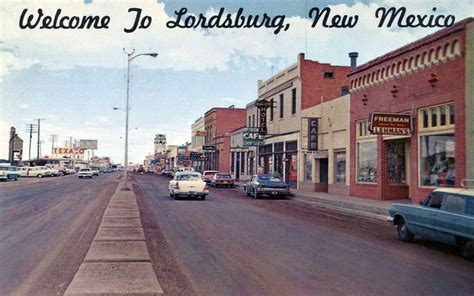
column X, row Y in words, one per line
column 390, row 123
column 251, row 137
column 262, row 130
column 208, row 148
column 312, row 134
column 71, row 151
column 200, row 134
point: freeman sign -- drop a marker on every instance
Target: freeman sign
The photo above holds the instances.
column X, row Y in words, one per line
column 390, row 123
column 312, row 134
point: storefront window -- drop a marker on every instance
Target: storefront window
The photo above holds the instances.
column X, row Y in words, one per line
column 396, row 162
column 308, row 168
column 437, row 160
column 367, row 162
column 340, row 166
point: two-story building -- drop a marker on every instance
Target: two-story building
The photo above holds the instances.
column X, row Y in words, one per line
column 412, row 117
column 302, row 85
column 218, row 124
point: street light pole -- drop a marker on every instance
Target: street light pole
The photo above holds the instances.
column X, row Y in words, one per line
column 130, row 57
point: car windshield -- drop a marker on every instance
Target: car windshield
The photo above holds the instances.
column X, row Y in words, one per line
column 85, row 170
column 188, row 177
column 267, row 178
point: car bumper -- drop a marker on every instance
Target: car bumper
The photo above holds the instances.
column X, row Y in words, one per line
column 191, row 193
column 273, row 191
column 390, row 219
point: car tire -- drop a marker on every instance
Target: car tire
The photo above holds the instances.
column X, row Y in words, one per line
column 466, row 248
column 175, row 196
column 404, row 234
column 203, row 197
column 255, row 194
column 39, row 176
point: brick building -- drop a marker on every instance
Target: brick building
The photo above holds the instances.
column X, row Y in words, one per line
column 431, row 80
column 218, row 124
column 302, row 85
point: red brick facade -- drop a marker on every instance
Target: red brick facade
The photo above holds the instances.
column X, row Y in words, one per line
column 218, row 124
column 315, row 87
column 428, row 72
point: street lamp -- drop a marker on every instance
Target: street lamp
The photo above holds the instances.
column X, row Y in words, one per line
column 130, row 57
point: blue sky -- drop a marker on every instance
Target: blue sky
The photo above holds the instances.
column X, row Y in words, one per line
column 74, row 78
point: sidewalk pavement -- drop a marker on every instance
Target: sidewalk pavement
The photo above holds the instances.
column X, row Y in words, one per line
column 375, row 209
column 118, row 262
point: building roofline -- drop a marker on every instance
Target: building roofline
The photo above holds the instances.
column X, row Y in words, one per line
column 221, row 108
column 412, row 46
column 234, row 130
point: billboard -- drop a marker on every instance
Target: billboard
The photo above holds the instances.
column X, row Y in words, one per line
column 88, row 144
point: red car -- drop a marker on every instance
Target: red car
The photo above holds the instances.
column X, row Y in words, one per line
column 222, row 179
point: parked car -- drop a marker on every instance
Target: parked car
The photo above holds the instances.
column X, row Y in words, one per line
column 9, row 172
column 269, row 185
column 36, row 171
column 188, row 184
column 221, row 179
column 54, row 172
column 447, row 216
column 165, row 172
column 207, row 175
column 86, row 173
column 95, row 171
column 108, row 170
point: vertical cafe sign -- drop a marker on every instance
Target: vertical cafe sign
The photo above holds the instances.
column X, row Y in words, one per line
column 312, row 134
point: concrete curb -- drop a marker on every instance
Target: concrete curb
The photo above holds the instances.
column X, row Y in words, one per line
column 118, row 262
column 363, row 210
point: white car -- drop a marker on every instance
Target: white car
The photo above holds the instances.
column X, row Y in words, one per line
column 36, row 171
column 85, row 173
column 188, row 184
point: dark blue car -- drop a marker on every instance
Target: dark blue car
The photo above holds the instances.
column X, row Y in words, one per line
column 269, row 185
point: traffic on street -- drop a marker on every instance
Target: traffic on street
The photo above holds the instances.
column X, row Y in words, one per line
column 229, row 244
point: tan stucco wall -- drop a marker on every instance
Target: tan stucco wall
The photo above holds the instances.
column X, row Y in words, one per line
column 333, row 134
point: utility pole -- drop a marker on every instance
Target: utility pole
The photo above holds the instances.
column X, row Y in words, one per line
column 54, row 138
column 31, row 128
column 39, row 142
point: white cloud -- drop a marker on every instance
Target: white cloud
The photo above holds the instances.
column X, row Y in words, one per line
column 24, row 106
column 185, row 49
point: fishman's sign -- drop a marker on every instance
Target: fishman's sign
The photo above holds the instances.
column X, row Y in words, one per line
column 390, row 123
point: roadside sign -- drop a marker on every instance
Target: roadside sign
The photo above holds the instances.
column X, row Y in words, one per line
column 252, row 137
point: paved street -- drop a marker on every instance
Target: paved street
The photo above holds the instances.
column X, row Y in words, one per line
column 231, row 244
column 228, row 244
column 47, row 226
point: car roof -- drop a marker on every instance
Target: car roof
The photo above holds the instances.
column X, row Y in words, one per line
column 188, row 173
column 463, row 191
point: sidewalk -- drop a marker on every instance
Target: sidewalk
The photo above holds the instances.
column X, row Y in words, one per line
column 118, row 262
column 375, row 209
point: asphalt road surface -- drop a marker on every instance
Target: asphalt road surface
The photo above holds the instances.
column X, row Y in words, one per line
column 46, row 228
column 231, row 244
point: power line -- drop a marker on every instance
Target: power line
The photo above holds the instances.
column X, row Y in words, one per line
column 39, row 142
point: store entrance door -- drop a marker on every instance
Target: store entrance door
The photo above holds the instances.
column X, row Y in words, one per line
column 398, row 172
column 322, row 186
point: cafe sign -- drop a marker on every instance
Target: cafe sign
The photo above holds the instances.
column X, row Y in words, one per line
column 251, row 137
column 390, row 123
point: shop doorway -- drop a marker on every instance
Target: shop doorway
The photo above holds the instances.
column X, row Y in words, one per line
column 398, row 168
column 322, row 169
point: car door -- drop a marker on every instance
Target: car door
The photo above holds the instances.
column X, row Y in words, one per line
column 249, row 186
column 427, row 215
column 449, row 220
